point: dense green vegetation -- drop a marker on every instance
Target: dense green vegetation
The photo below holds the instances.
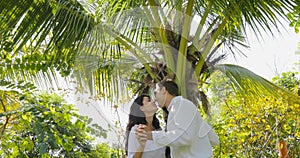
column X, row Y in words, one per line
column 252, row 126
column 43, row 125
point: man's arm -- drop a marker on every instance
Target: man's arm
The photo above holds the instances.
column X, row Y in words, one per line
column 142, row 134
column 182, row 126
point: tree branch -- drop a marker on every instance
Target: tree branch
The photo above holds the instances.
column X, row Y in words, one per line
column 7, row 118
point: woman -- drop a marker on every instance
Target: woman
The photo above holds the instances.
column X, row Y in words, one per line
column 142, row 111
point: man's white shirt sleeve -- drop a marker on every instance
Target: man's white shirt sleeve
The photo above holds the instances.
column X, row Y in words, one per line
column 180, row 130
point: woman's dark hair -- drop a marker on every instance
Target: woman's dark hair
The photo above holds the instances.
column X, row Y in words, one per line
column 136, row 116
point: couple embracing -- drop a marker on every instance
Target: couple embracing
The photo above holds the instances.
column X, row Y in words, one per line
column 187, row 134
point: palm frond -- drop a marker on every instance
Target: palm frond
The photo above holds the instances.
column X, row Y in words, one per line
column 43, row 24
column 258, row 14
column 31, row 68
column 250, row 83
column 39, row 38
column 240, row 15
column 115, row 48
column 109, row 78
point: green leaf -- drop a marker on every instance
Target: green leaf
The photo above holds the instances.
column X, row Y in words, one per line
column 43, row 148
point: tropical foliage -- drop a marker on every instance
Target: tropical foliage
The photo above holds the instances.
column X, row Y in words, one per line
column 39, row 38
column 253, row 127
column 123, row 47
column 294, row 17
column 45, row 126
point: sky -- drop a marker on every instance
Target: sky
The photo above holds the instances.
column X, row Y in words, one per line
column 272, row 55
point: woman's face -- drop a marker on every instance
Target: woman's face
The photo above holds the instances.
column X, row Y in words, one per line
column 146, row 100
column 149, row 108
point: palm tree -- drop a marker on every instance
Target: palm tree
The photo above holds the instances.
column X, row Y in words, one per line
column 116, row 45
column 157, row 36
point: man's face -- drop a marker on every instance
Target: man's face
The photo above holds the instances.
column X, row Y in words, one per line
column 160, row 96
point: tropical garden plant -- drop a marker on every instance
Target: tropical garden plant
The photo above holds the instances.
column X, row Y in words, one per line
column 294, row 17
column 255, row 127
column 43, row 125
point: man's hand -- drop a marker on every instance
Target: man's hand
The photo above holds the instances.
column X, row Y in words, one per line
column 142, row 134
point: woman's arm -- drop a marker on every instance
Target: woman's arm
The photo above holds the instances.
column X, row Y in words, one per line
column 135, row 147
column 139, row 152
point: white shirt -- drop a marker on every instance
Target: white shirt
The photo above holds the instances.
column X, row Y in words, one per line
column 187, row 133
column 151, row 150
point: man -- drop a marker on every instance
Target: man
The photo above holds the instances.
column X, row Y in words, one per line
column 187, row 134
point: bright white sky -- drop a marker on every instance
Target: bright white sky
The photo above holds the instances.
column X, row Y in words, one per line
column 268, row 55
column 272, row 55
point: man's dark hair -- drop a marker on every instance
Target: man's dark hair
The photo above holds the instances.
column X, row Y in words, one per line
column 170, row 86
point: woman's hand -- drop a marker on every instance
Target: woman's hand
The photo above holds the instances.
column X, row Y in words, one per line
column 142, row 139
column 141, row 134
